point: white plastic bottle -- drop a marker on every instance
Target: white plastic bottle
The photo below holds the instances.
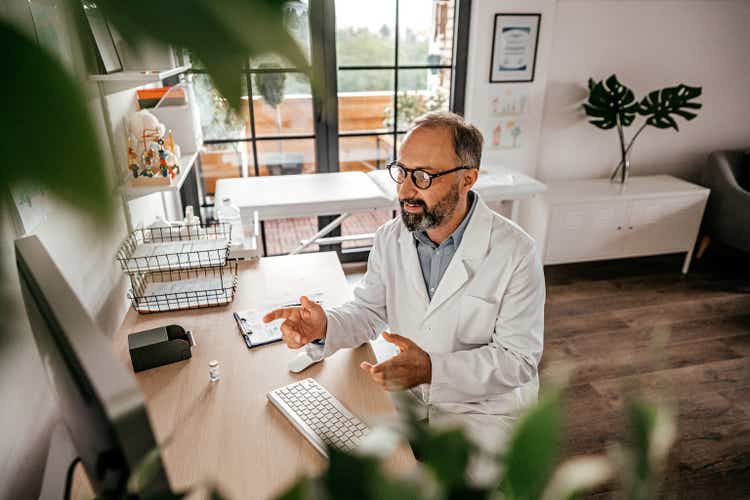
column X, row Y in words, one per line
column 230, row 214
column 191, row 223
column 159, row 231
column 214, row 374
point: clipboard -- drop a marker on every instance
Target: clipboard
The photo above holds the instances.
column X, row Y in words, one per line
column 255, row 332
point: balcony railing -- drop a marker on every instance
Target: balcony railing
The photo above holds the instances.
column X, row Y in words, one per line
column 359, row 112
column 364, row 144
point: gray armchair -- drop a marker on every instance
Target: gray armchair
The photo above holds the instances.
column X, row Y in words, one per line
column 727, row 218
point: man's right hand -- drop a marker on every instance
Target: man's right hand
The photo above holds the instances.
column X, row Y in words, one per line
column 302, row 325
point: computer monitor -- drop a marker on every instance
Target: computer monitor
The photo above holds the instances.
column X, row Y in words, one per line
column 99, row 400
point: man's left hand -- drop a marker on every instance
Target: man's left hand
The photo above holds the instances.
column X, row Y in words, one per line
column 409, row 368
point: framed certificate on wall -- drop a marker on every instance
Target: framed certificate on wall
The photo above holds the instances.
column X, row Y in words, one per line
column 514, row 43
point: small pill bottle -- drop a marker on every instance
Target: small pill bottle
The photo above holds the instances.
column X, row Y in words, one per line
column 213, row 371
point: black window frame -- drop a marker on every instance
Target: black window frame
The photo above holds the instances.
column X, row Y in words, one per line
column 461, row 20
column 324, row 69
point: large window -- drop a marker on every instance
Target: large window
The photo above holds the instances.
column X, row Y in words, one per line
column 273, row 134
column 393, row 63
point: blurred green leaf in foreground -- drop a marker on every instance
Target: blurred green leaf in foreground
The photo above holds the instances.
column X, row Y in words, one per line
column 48, row 138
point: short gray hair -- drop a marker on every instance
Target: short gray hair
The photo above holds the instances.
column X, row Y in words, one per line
column 467, row 139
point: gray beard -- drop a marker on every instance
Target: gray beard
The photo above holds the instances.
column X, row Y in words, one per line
column 430, row 218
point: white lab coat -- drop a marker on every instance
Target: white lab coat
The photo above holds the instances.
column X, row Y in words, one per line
column 483, row 328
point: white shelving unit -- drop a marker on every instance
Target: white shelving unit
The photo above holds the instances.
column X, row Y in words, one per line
column 123, row 80
column 187, row 160
column 137, row 78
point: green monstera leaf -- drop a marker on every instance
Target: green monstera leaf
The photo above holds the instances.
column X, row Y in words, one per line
column 609, row 101
column 660, row 105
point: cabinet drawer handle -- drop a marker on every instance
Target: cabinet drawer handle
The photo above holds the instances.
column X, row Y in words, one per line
column 619, row 227
column 630, row 227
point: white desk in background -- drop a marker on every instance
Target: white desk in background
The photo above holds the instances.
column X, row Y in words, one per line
column 344, row 193
column 500, row 185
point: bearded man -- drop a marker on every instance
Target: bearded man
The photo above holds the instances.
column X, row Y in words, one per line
column 459, row 287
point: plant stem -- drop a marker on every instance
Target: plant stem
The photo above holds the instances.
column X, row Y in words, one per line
column 628, row 148
column 632, row 141
column 623, row 151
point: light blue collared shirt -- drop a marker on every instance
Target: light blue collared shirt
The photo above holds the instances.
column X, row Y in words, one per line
column 434, row 259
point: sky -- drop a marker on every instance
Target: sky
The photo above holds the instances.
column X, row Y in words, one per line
column 414, row 14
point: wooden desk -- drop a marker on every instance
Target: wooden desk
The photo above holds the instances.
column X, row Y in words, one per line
column 228, row 431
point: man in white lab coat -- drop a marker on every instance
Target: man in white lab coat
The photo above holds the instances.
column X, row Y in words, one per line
column 460, row 287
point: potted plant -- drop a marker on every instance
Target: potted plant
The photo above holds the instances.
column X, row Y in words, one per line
column 611, row 104
column 413, row 104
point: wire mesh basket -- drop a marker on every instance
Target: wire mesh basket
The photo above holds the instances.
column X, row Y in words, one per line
column 179, row 289
column 176, row 247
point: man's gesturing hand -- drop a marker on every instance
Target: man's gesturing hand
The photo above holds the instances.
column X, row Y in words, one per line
column 302, row 325
column 409, row 368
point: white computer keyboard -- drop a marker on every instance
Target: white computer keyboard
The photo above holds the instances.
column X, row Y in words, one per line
column 318, row 415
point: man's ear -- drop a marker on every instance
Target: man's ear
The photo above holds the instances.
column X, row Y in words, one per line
column 470, row 177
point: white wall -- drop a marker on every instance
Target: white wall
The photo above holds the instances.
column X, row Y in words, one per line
column 649, row 45
column 84, row 252
column 478, row 88
column 86, row 256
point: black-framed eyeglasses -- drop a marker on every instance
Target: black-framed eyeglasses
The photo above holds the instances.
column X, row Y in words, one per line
column 420, row 177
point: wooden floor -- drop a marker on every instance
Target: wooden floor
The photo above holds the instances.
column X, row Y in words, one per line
column 603, row 317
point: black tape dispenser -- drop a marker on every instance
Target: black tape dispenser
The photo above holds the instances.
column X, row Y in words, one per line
column 160, row 346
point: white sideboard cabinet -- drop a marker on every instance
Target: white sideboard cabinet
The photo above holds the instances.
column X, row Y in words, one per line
column 584, row 220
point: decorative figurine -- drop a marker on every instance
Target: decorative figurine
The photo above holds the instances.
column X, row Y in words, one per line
column 132, row 158
column 151, row 148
